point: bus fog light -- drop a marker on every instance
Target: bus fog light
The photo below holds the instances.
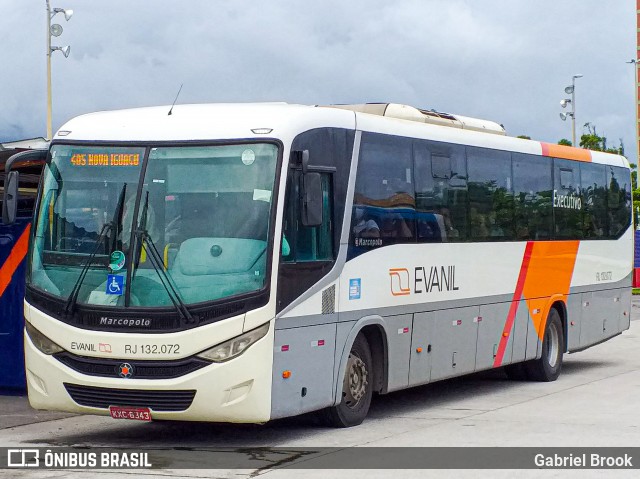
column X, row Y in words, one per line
column 234, row 347
column 40, row 341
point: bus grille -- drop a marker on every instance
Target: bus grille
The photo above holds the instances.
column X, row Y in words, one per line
column 154, row 400
column 109, row 368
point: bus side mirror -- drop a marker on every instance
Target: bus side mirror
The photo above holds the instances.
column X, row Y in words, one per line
column 10, row 198
column 311, row 199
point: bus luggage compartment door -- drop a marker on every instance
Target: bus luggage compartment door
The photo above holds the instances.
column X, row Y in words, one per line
column 601, row 312
column 303, row 361
column 455, row 334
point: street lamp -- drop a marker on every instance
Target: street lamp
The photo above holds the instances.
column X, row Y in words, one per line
column 54, row 30
column 571, row 90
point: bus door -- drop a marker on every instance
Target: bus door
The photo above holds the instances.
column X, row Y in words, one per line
column 13, row 250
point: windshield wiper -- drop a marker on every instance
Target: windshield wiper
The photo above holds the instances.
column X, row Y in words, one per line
column 142, row 236
column 73, row 296
column 115, row 224
column 117, row 220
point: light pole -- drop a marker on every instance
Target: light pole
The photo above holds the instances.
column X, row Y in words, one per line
column 572, row 101
column 54, row 30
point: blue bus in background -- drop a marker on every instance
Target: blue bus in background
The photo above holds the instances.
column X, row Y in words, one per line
column 26, row 158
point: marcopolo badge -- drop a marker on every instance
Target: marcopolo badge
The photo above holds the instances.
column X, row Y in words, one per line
column 116, row 260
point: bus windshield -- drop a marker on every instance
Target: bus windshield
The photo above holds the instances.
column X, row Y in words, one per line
column 202, row 212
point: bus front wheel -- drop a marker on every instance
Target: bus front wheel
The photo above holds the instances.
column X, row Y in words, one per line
column 357, row 387
column 548, row 367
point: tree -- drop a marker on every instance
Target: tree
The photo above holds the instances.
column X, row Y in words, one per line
column 592, row 141
column 565, row 142
column 524, row 137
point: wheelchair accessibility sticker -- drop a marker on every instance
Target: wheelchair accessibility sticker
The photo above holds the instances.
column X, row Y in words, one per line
column 115, row 284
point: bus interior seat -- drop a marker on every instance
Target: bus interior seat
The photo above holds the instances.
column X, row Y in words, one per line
column 202, row 273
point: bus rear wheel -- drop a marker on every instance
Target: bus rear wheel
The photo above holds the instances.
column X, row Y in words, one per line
column 357, row 387
column 548, row 367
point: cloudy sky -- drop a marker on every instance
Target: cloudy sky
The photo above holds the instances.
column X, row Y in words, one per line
column 504, row 60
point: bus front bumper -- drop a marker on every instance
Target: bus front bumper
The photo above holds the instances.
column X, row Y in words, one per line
column 238, row 390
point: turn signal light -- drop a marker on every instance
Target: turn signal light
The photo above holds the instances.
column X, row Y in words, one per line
column 286, row 374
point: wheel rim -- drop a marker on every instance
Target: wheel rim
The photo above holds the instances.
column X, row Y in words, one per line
column 355, row 381
column 553, row 345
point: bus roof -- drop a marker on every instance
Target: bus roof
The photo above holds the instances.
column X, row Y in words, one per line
column 201, row 122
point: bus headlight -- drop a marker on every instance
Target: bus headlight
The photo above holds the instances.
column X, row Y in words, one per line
column 40, row 341
column 234, row 347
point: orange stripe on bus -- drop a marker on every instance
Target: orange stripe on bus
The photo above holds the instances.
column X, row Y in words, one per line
column 545, row 273
column 549, row 274
column 566, row 152
column 16, row 256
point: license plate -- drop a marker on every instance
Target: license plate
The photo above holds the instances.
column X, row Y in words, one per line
column 133, row 413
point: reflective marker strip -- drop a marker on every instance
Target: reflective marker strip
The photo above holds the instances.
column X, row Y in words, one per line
column 16, row 256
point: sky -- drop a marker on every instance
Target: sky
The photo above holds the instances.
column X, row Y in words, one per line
column 502, row 60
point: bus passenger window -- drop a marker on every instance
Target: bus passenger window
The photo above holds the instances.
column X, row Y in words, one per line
column 618, row 200
column 384, row 199
column 533, row 197
column 567, row 200
column 593, row 182
column 441, row 192
column 490, row 194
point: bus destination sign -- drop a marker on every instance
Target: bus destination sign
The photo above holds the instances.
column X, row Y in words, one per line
column 105, row 159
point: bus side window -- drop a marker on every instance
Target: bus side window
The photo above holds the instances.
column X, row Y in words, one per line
column 307, row 243
column 384, row 198
column 490, row 195
column 441, row 192
column 567, row 200
column 593, row 182
column 533, row 197
column 618, row 200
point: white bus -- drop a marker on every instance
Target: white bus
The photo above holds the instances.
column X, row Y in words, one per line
column 249, row 262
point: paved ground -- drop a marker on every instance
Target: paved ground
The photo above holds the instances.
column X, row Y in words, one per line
column 15, row 410
column 595, row 402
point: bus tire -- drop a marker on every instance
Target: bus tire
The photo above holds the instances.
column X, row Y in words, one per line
column 548, row 367
column 357, row 387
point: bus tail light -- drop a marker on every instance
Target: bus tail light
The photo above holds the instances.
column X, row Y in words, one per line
column 40, row 341
column 234, row 347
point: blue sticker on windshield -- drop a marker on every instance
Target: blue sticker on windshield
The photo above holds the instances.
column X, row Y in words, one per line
column 115, row 284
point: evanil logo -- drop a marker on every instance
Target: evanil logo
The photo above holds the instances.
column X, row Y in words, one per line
column 399, row 281
column 422, row 279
